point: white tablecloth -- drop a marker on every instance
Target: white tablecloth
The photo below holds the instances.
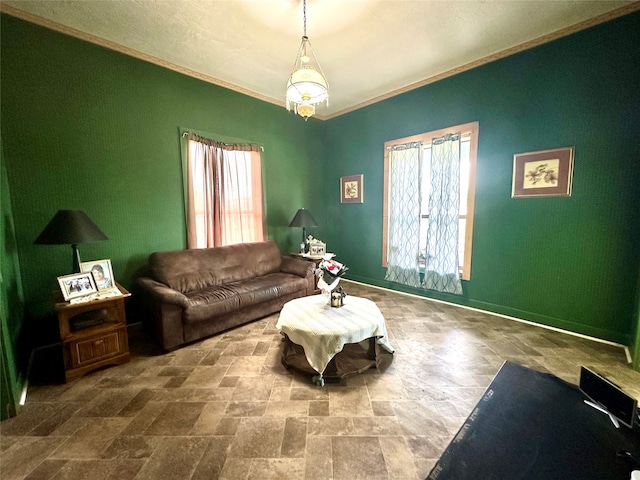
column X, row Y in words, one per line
column 323, row 330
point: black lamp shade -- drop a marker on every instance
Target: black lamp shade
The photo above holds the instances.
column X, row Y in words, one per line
column 303, row 218
column 70, row 227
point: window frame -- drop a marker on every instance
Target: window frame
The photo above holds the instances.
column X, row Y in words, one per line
column 247, row 146
column 471, row 130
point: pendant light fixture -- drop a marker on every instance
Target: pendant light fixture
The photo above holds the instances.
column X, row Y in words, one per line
column 307, row 85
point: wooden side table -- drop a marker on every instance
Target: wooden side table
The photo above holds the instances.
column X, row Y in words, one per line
column 93, row 334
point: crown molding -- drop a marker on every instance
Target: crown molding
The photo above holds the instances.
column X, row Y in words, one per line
column 613, row 14
column 43, row 22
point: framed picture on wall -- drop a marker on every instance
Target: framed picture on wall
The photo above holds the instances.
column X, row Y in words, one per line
column 101, row 271
column 544, row 173
column 351, row 189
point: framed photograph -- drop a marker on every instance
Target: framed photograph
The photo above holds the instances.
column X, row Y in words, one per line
column 351, row 189
column 317, row 249
column 77, row 285
column 543, row 174
column 101, row 271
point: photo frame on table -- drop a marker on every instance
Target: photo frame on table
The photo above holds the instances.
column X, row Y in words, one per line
column 317, row 249
column 544, row 173
column 351, row 189
column 77, row 285
column 101, row 271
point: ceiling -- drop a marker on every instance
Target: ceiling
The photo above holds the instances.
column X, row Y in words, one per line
column 368, row 49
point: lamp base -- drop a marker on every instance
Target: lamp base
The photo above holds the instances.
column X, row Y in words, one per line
column 304, row 240
column 76, row 259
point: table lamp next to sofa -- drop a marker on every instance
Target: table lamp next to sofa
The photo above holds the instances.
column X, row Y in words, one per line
column 70, row 227
column 303, row 219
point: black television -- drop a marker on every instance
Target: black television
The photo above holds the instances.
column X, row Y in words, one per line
column 608, row 397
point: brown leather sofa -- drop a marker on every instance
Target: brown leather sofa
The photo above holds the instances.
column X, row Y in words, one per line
column 197, row 293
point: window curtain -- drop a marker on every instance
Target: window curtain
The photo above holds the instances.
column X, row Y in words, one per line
column 441, row 271
column 405, row 164
column 224, row 193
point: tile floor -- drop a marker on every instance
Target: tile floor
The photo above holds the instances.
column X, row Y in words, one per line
column 225, row 408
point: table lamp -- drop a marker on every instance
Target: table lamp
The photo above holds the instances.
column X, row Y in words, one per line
column 70, row 227
column 303, row 219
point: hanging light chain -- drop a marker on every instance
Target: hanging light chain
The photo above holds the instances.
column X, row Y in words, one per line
column 304, row 16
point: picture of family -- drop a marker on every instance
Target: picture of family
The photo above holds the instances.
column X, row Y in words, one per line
column 77, row 285
column 101, row 271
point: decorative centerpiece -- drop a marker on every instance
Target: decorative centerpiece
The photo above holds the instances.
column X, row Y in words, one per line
column 329, row 272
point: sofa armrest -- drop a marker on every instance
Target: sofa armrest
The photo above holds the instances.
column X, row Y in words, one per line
column 160, row 293
column 302, row 268
column 297, row 266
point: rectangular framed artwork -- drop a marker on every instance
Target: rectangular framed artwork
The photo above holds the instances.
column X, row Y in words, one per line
column 351, row 189
column 101, row 271
column 77, row 285
column 544, row 173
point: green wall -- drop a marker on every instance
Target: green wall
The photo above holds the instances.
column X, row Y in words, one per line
column 634, row 345
column 566, row 262
column 11, row 304
column 88, row 128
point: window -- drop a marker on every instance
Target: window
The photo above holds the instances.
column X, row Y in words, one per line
column 224, row 193
column 468, row 154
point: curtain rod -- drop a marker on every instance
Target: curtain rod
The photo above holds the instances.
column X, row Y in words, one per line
column 428, row 142
column 185, row 134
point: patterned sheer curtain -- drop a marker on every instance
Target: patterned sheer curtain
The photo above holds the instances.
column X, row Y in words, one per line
column 224, row 193
column 405, row 164
column 441, row 271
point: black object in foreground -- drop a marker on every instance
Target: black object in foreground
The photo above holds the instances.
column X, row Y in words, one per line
column 530, row 425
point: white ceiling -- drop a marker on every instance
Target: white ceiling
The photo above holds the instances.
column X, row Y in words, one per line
column 368, row 49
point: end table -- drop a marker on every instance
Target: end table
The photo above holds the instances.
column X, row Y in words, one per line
column 93, row 334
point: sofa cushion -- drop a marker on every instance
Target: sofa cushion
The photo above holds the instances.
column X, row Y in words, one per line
column 221, row 299
column 203, row 268
column 267, row 287
column 210, row 302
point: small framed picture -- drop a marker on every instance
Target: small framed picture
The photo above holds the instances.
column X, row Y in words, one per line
column 77, row 285
column 317, row 249
column 101, row 271
column 351, row 189
column 543, row 173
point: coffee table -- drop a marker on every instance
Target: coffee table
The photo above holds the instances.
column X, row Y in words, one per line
column 323, row 332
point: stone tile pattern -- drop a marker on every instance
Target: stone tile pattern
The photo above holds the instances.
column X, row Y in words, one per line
column 226, row 408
